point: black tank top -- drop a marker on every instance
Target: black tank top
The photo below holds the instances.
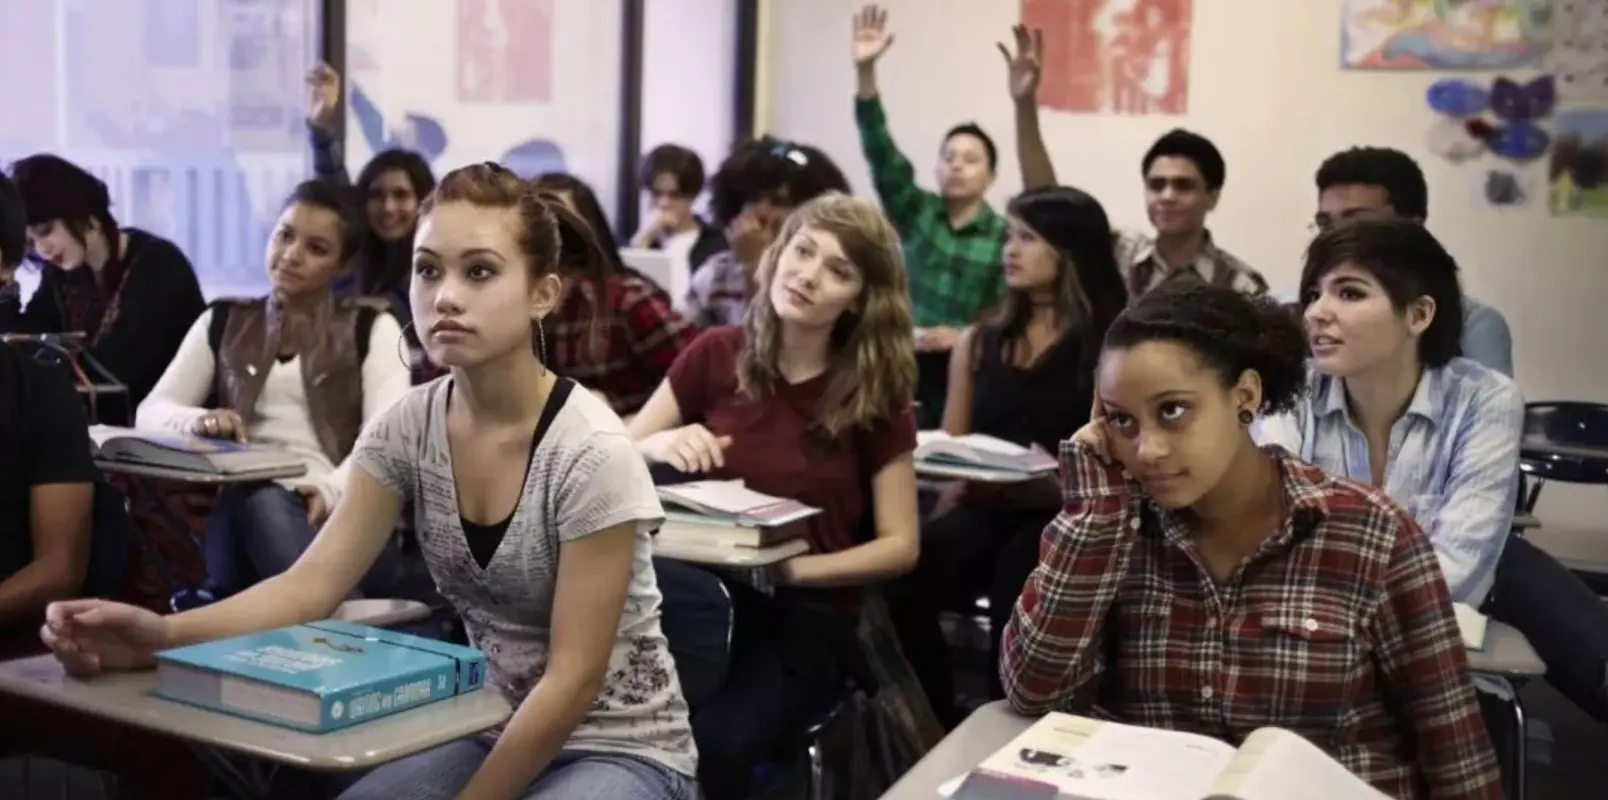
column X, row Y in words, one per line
column 1041, row 404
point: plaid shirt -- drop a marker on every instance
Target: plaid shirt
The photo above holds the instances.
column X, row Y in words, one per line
column 1339, row 629
column 1143, row 269
column 637, row 340
column 718, row 293
column 955, row 273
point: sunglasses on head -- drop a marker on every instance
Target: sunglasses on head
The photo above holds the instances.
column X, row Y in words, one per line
column 788, row 151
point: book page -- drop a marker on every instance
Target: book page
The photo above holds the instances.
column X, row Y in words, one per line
column 1276, row 764
column 1094, row 760
column 924, row 438
column 990, row 444
column 729, row 497
column 1471, row 624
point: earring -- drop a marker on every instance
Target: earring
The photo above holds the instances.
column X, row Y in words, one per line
column 541, row 346
column 1246, row 417
column 402, row 353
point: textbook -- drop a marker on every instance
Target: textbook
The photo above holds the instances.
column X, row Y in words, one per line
column 704, row 530
column 187, row 453
column 318, row 677
column 732, row 502
column 979, row 451
column 1065, row 757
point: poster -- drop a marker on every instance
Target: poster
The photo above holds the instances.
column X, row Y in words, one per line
column 1445, row 34
column 1114, row 56
column 1578, row 173
column 1579, row 57
column 505, row 51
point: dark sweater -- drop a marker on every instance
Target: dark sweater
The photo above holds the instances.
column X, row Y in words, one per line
column 159, row 299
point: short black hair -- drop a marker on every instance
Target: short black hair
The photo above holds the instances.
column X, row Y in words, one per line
column 13, row 224
column 973, row 129
column 678, row 162
column 331, row 197
column 1228, row 330
column 768, row 165
column 1409, row 262
column 54, row 188
column 1392, row 170
column 1179, row 143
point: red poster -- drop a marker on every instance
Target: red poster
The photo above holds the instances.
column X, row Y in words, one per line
column 505, row 51
column 1115, row 56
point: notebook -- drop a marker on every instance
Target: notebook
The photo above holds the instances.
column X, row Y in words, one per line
column 732, row 502
column 984, row 452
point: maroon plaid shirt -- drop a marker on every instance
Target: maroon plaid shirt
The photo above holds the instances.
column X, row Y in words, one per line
column 638, row 337
column 1339, row 629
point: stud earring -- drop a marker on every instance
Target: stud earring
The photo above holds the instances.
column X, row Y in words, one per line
column 1246, row 417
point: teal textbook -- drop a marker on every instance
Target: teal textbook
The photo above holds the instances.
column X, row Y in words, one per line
column 318, row 677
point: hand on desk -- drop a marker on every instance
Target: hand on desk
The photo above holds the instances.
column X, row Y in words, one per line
column 220, row 424
column 93, row 636
column 693, row 448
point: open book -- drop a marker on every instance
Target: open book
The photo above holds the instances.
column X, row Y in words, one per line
column 980, row 451
column 732, row 503
column 187, row 453
column 1064, row 757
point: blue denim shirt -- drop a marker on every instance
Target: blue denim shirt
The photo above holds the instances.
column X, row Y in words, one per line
column 1486, row 336
column 1453, row 463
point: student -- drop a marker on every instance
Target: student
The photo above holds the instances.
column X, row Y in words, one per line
column 951, row 237
column 533, row 511
column 47, row 493
column 1026, row 376
column 673, row 177
column 809, row 399
column 756, row 187
column 131, row 293
column 390, row 187
column 1195, row 582
column 1379, row 181
column 298, row 369
column 1391, row 405
column 615, row 331
column 1183, row 174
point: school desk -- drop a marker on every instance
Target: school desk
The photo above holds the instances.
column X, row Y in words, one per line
column 730, row 556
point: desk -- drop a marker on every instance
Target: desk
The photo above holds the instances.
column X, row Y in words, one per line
column 124, row 697
column 1507, row 654
column 987, row 729
column 729, row 556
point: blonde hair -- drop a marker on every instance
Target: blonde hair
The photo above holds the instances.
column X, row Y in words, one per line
column 872, row 357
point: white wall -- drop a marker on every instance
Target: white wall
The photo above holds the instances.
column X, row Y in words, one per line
column 1267, row 88
column 689, row 48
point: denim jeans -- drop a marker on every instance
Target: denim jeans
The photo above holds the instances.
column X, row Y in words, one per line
column 258, row 530
column 441, row 773
column 1563, row 619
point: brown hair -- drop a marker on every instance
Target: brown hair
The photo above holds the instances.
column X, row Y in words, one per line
column 546, row 222
column 873, row 359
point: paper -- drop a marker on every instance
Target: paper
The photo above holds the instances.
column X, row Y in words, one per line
column 1578, row 183
column 1106, row 761
column 1444, row 34
column 1579, row 57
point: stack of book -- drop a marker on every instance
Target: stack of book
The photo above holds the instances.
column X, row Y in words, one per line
column 1064, row 757
column 318, row 677
column 978, row 457
column 109, row 443
column 714, row 513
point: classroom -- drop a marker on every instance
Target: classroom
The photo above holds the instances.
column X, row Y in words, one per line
column 727, row 399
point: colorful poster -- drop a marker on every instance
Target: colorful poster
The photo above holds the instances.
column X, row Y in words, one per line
column 505, row 51
column 1116, row 56
column 1578, row 174
column 1579, row 57
column 1444, row 34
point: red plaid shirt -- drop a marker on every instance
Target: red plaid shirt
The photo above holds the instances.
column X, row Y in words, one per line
column 638, row 338
column 1339, row 629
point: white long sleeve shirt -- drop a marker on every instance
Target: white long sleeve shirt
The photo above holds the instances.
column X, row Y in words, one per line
column 281, row 416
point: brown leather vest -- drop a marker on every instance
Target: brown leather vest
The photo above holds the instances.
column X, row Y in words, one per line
column 332, row 373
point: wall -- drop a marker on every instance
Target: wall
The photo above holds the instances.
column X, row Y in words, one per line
column 1266, row 86
column 688, row 50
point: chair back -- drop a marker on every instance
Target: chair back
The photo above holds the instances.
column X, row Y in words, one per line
column 697, row 619
column 1565, row 441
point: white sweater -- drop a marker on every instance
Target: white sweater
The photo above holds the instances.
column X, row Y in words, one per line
column 281, row 416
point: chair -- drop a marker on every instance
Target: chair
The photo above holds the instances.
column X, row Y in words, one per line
column 1563, row 441
column 697, row 621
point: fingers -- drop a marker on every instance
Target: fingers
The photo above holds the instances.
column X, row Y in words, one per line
column 1038, row 46
column 1004, row 51
column 63, row 613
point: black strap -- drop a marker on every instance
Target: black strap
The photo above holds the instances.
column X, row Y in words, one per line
column 555, row 401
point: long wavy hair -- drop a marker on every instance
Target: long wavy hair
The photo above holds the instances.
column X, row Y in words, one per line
column 872, row 358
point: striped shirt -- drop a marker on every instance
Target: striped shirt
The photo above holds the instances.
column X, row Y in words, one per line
column 1337, row 628
column 1453, row 463
column 718, row 292
column 1143, row 270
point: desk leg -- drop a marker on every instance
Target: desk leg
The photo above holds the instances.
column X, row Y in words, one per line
column 1519, row 748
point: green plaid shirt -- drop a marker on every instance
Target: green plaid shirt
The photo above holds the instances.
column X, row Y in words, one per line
column 955, row 273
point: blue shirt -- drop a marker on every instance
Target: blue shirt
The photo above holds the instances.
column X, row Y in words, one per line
column 1453, row 463
column 1486, row 336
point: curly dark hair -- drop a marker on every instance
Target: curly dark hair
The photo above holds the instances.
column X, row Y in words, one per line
column 1229, row 331
column 786, row 171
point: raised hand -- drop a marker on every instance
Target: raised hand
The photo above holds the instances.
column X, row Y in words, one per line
column 871, row 37
column 323, row 97
column 1026, row 65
